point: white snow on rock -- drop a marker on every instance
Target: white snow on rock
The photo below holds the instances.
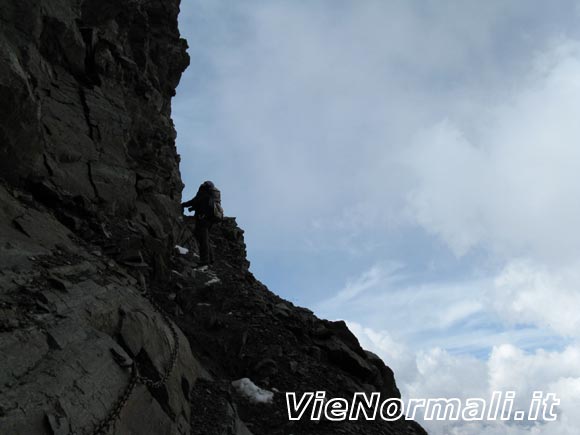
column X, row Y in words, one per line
column 181, row 249
column 254, row 393
column 213, row 281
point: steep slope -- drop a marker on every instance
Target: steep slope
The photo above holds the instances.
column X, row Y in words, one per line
column 238, row 329
column 93, row 294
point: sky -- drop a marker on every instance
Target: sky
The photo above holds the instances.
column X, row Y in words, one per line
column 411, row 167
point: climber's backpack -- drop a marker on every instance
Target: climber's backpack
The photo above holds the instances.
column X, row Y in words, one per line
column 216, row 212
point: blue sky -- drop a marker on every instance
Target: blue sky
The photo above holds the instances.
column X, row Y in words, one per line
column 410, row 167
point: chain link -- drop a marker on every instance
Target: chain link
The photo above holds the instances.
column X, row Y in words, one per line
column 136, row 377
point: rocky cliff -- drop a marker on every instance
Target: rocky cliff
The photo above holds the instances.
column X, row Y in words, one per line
column 104, row 326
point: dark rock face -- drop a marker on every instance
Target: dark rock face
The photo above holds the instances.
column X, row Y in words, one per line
column 102, row 320
column 68, row 315
column 86, row 89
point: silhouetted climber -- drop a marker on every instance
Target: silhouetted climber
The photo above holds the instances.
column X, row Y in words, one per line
column 208, row 210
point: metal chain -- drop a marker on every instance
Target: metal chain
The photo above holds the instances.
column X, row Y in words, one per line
column 136, row 377
column 173, row 358
column 103, row 427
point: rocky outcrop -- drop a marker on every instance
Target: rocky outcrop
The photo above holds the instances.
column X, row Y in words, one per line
column 239, row 329
column 104, row 326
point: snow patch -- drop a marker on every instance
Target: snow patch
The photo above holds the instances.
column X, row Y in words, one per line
column 182, row 250
column 213, row 281
column 251, row 391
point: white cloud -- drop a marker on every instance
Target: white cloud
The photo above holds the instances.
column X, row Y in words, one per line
column 349, row 115
column 314, row 102
column 510, row 187
column 379, row 274
column 435, row 373
column 332, row 127
column 476, row 315
column 528, row 292
column 383, row 298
